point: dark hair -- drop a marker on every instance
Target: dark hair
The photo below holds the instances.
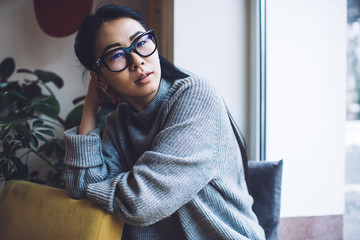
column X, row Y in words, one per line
column 85, row 39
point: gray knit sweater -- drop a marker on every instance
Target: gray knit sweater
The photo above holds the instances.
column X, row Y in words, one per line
column 170, row 171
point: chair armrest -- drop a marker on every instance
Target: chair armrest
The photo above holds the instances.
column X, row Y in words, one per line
column 34, row 211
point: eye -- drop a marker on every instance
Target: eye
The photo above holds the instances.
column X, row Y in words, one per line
column 117, row 55
column 144, row 40
column 142, row 43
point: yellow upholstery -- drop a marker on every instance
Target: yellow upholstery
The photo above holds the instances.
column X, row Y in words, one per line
column 34, row 211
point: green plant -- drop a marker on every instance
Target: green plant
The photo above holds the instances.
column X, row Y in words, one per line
column 28, row 128
column 29, row 118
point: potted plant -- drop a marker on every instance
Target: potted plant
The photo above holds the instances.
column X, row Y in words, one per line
column 29, row 118
column 30, row 114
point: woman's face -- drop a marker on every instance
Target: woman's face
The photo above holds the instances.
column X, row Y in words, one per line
column 139, row 82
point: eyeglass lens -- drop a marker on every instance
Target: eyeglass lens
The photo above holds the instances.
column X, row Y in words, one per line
column 117, row 60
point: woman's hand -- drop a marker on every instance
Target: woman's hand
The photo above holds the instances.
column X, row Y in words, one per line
column 94, row 98
column 92, row 103
column 94, row 95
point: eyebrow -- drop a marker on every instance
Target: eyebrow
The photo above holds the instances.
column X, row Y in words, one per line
column 132, row 37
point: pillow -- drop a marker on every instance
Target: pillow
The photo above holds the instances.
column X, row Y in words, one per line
column 265, row 188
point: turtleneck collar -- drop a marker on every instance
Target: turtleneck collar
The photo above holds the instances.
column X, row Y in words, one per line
column 147, row 116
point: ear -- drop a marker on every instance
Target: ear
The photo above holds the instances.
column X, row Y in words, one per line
column 100, row 83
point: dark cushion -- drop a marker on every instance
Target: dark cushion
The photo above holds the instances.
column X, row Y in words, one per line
column 265, row 188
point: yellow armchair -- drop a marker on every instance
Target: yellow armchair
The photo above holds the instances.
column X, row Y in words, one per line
column 34, row 211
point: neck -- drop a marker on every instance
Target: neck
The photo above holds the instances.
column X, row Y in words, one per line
column 139, row 103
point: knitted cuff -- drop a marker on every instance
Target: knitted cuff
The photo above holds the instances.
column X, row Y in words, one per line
column 102, row 193
column 83, row 151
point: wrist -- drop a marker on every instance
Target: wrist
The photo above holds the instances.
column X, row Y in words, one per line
column 88, row 119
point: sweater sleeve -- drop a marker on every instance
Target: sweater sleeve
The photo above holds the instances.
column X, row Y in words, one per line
column 181, row 162
column 89, row 159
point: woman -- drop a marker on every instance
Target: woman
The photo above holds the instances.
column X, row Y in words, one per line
column 168, row 163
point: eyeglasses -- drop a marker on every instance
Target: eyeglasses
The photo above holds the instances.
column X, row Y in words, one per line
column 118, row 59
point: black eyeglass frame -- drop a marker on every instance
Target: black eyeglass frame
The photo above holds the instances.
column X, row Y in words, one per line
column 127, row 50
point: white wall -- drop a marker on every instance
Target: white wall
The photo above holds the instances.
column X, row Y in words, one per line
column 306, row 73
column 210, row 40
column 22, row 39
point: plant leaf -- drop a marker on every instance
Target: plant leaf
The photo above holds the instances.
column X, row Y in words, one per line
column 21, row 173
column 39, row 99
column 47, row 126
column 5, row 130
column 23, row 130
column 15, row 149
column 4, row 93
column 60, row 149
column 47, row 148
column 78, row 99
column 40, row 137
column 37, row 123
column 74, row 117
column 47, row 132
column 103, row 112
column 24, row 70
column 19, row 95
column 34, row 141
column 6, row 147
column 16, row 161
column 46, row 76
column 32, row 90
column 25, row 141
column 49, row 107
column 7, row 67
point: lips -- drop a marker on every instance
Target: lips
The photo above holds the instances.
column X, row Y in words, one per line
column 142, row 78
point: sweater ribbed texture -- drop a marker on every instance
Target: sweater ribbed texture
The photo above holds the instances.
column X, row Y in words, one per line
column 170, row 171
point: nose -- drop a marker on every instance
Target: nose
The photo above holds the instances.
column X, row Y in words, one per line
column 135, row 61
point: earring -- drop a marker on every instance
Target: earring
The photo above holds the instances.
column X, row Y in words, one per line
column 104, row 90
